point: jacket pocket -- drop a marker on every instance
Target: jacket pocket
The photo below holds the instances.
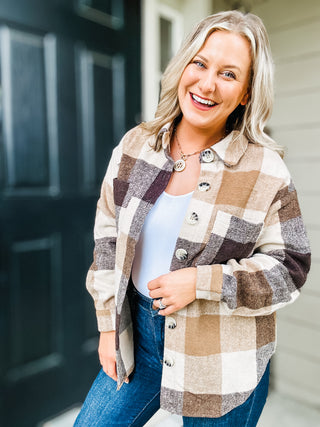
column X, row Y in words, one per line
column 231, row 237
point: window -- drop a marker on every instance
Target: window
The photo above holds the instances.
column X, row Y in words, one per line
column 162, row 36
column 165, row 42
column 170, row 34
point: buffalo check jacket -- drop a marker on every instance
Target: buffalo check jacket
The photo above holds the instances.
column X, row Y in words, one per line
column 252, row 257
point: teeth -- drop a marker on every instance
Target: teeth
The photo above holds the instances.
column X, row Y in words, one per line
column 203, row 101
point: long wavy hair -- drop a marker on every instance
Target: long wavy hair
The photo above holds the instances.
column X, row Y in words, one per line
column 249, row 119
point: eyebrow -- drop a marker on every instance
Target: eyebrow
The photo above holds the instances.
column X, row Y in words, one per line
column 231, row 66
column 224, row 66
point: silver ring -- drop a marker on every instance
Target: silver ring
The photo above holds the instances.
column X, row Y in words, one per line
column 161, row 306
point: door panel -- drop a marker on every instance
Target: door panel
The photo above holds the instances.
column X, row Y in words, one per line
column 102, row 95
column 105, row 12
column 69, row 89
column 29, row 282
column 29, row 109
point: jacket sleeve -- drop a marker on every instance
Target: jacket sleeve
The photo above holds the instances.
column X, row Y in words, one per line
column 273, row 275
column 100, row 277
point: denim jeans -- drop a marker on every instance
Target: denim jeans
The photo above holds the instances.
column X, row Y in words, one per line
column 136, row 402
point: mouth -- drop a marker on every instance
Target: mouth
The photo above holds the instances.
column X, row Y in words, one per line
column 202, row 101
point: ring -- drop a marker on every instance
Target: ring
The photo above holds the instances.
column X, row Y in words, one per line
column 161, row 306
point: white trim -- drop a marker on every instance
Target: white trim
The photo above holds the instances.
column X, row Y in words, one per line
column 176, row 18
column 150, row 58
column 152, row 10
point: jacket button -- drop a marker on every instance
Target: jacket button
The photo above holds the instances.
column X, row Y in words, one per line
column 169, row 361
column 171, row 322
column 193, row 218
column 207, row 155
column 204, row 186
column 181, row 254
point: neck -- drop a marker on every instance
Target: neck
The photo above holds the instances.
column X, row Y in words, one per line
column 192, row 139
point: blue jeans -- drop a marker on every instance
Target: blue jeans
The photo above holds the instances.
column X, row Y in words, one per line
column 135, row 403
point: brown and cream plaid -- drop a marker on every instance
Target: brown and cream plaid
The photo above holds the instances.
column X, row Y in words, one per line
column 252, row 257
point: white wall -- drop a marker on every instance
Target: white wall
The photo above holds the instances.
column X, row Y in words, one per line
column 294, row 29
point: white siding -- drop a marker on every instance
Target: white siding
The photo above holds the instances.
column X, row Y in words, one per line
column 294, row 29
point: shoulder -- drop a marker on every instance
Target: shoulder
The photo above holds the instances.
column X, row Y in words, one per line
column 269, row 162
column 135, row 139
column 131, row 143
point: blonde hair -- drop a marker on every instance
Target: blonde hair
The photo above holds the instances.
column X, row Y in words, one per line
column 250, row 119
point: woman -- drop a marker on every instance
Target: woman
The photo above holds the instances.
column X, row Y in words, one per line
column 199, row 240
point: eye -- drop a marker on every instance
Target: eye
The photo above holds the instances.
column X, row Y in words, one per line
column 229, row 75
column 198, row 63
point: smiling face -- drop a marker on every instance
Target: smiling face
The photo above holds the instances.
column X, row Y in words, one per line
column 215, row 82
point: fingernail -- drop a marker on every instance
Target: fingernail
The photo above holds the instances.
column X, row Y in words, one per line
column 126, row 380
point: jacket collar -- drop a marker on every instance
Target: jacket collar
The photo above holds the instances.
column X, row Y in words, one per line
column 230, row 149
column 165, row 134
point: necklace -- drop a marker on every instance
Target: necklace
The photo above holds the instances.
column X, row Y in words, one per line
column 180, row 164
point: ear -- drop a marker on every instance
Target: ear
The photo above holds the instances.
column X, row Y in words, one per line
column 245, row 99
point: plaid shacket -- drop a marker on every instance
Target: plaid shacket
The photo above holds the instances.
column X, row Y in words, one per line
column 252, row 257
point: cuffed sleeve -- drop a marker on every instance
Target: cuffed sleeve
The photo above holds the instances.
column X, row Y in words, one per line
column 209, row 282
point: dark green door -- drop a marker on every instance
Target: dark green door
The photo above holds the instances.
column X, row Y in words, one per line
column 69, row 88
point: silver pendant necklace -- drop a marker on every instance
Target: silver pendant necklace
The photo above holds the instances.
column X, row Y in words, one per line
column 180, row 164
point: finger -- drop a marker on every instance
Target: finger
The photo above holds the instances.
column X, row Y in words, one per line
column 153, row 284
column 161, row 303
column 167, row 311
column 156, row 293
column 110, row 369
column 156, row 283
column 156, row 304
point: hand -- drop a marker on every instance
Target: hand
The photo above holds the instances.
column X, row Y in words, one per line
column 107, row 353
column 176, row 289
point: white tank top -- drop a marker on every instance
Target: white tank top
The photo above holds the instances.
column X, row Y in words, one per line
column 154, row 249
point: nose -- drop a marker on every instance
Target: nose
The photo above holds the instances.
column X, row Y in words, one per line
column 207, row 83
